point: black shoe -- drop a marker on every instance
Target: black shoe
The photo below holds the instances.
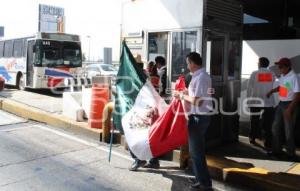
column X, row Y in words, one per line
column 198, row 186
column 291, row 157
column 192, row 180
column 152, row 165
column 137, row 164
column 252, row 141
column 278, row 155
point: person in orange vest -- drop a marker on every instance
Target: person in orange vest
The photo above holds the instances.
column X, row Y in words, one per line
column 287, row 111
column 262, row 108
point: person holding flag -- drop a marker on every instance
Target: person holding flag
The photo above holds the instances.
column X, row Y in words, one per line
column 151, row 127
column 198, row 98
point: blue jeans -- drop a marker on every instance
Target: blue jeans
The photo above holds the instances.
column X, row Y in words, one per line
column 197, row 127
column 288, row 127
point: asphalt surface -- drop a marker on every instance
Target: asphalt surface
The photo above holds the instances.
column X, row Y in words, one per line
column 34, row 156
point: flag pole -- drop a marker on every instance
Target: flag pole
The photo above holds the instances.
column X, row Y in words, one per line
column 110, row 144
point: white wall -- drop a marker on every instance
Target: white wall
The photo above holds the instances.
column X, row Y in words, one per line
column 272, row 49
column 161, row 14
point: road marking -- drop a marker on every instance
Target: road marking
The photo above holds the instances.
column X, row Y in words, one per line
column 14, row 129
column 74, row 138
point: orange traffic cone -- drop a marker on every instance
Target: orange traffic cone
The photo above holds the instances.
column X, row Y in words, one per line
column 100, row 97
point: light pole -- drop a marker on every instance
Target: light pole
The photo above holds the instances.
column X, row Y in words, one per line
column 123, row 3
column 89, row 37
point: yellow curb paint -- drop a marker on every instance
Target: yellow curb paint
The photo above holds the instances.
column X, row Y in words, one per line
column 295, row 170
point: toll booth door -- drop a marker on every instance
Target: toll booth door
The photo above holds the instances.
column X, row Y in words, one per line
column 30, row 63
column 223, row 55
column 215, row 49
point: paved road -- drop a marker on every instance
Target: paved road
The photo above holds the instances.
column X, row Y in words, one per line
column 38, row 157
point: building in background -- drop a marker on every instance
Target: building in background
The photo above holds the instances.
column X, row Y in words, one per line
column 107, row 55
column 51, row 18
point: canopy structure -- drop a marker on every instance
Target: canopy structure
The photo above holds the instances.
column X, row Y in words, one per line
column 282, row 16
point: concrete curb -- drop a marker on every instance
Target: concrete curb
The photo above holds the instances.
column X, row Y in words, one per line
column 220, row 168
column 52, row 119
column 252, row 177
column 230, row 171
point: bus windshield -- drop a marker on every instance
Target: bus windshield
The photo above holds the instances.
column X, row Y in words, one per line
column 59, row 53
column 71, row 54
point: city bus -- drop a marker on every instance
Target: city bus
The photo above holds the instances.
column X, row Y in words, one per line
column 42, row 61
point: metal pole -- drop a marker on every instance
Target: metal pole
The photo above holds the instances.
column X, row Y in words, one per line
column 110, row 144
column 89, row 37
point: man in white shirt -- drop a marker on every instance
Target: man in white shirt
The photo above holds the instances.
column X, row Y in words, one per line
column 262, row 108
column 287, row 110
column 198, row 98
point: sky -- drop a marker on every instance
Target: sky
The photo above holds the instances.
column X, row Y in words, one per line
column 99, row 19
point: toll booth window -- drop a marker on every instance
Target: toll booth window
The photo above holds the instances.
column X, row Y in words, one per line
column 234, row 58
column 157, row 45
column 216, row 57
column 182, row 44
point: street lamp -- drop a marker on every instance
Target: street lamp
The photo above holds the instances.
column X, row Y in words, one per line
column 89, row 37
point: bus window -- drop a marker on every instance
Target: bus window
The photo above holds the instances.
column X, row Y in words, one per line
column 24, row 47
column 1, row 49
column 50, row 53
column 72, row 54
column 8, row 48
column 18, row 48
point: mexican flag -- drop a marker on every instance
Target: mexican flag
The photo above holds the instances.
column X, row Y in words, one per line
column 151, row 127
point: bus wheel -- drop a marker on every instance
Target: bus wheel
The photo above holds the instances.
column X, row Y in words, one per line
column 20, row 82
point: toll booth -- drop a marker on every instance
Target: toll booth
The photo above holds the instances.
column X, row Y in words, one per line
column 173, row 28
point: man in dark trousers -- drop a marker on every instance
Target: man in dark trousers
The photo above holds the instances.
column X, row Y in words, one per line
column 287, row 111
column 262, row 108
column 198, row 99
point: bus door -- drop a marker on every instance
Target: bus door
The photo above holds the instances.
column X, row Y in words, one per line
column 30, row 62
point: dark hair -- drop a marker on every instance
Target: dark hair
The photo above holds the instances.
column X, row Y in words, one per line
column 151, row 63
column 160, row 60
column 263, row 62
column 195, row 58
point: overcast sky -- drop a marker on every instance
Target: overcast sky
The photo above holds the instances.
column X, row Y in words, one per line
column 99, row 19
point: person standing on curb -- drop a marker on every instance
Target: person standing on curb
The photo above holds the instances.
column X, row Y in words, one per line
column 260, row 83
column 287, row 110
column 200, row 104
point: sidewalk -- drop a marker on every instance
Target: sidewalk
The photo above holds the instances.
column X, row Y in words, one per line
column 240, row 163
